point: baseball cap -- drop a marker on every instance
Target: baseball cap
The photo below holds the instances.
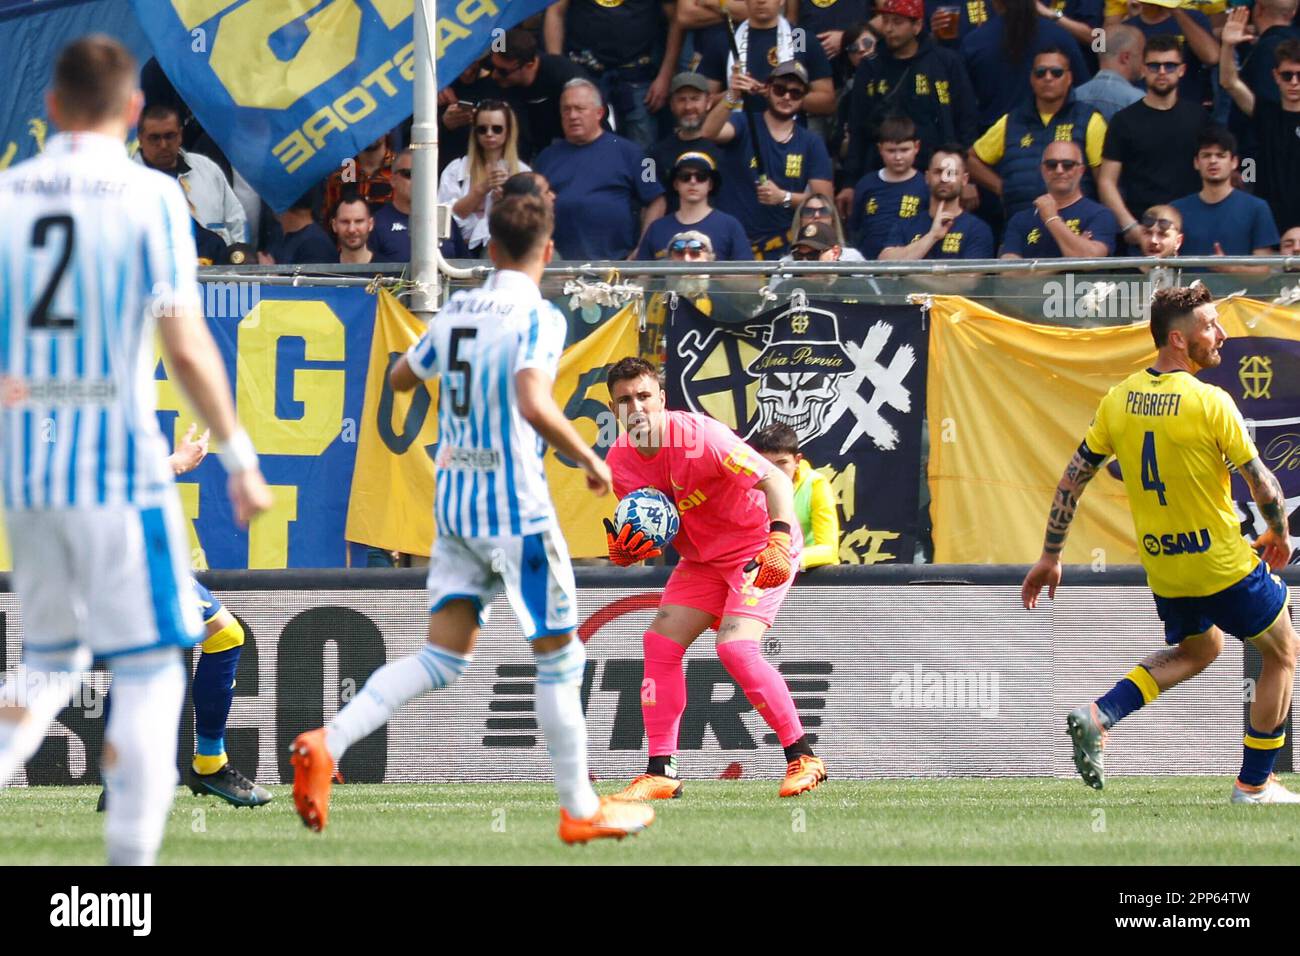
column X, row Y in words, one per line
column 699, row 161
column 912, row 9
column 688, row 80
column 790, row 68
column 816, row 235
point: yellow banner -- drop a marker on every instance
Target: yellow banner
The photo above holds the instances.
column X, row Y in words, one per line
column 581, row 392
column 393, row 482
column 391, row 505
column 1008, row 404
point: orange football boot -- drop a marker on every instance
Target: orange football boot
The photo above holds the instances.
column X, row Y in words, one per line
column 651, row 786
column 615, row 818
column 313, row 773
column 802, row 774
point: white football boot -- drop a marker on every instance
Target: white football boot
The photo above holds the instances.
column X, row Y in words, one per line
column 1271, row 791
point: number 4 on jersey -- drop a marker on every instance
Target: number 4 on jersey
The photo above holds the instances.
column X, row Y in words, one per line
column 1150, row 472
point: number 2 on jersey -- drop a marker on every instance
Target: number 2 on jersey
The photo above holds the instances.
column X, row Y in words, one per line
column 460, row 392
column 1150, row 472
column 41, row 318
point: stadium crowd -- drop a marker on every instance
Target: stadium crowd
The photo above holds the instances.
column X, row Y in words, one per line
column 914, row 129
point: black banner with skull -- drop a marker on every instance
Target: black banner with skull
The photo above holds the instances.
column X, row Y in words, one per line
column 848, row 377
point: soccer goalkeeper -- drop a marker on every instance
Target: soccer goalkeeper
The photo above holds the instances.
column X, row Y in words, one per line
column 739, row 543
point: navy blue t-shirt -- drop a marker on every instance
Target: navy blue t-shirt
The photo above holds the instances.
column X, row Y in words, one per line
column 789, row 165
column 1001, row 86
column 1241, row 223
column 309, row 245
column 819, row 16
column 878, row 206
column 599, row 189
column 1195, row 84
column 390, row 240
column 761, row 59
column 725, row 232
column 969, row 238
column 1027, row 237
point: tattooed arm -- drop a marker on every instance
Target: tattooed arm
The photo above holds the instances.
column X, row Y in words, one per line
column 1078, row 473
column 1065, row 501
column 1275, row 543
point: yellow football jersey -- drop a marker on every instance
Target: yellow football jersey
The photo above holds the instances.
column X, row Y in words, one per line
column 1173, row 436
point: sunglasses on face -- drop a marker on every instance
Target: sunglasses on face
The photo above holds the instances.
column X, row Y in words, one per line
column 506, row 70
column 1065, row 164
column 794, row 92
column 404, row 173
column 686, row 245
column 815, row 212
column 1159, row 225
column 1289, row 76
column 493, row 128
column 1056, row 72
column 693, row 176
column 803, row 254
column 1162, row 67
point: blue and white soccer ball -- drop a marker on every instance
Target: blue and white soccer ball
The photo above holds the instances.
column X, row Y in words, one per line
column 651, row 512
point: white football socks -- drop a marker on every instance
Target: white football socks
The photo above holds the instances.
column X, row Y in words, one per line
column 388, row 689
column 559, row 712
column 140, row 774
column 42, row 687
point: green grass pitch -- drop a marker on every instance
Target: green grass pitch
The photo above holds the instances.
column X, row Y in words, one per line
column 1139, row 820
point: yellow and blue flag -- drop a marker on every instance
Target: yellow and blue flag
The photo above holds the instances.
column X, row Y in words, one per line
column 289, row 89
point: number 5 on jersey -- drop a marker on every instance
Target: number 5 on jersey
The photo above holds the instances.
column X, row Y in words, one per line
column 1150, row 471
column 460, row 391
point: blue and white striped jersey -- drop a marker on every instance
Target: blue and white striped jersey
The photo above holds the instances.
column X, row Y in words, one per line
column 490, row 479
column 94, row 247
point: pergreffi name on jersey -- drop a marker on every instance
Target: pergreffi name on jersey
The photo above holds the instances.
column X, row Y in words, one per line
column 1152, row 404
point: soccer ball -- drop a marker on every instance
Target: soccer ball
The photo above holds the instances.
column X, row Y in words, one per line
column 651, row 512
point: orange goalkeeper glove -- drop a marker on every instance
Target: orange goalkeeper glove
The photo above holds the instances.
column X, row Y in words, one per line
column 773, row 563
column 628, row 546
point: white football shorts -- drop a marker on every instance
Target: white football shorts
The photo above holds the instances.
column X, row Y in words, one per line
column 116, row 579
column 534, row 570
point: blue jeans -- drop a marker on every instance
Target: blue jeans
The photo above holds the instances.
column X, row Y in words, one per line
column 625, row 90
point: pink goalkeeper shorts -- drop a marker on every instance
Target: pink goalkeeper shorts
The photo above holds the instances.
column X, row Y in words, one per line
column 723, row 591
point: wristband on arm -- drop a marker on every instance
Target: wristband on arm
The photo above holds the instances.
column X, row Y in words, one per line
column 238, row 454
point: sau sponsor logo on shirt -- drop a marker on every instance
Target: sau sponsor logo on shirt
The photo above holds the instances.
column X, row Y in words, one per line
column 1183, row 542
column 909, row 207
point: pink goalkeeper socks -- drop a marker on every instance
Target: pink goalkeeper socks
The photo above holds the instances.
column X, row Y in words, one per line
column 764, row 687
column 663, row 693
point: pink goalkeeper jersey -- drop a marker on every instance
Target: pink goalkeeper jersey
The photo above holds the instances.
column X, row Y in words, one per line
column 710, row 474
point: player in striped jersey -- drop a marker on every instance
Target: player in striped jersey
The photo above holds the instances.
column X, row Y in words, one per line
column 496, row 350
column 97, row 251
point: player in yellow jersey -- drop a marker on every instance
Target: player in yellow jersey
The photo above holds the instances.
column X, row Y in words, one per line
column 1174, row 438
